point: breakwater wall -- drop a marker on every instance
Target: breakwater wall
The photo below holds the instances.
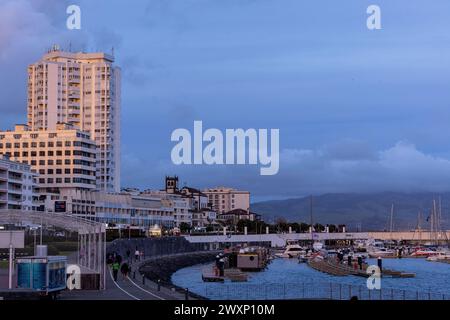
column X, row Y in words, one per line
column 162, row 268
column 152, row 247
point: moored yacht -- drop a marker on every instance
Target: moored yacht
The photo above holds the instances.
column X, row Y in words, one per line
column 291, row 251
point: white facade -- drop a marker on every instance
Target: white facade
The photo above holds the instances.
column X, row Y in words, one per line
column 226, row 199
column 17, row 186
column 117, row 208
column 82, row 89
column 63, row 157
column 203, row 218
column 180, row 204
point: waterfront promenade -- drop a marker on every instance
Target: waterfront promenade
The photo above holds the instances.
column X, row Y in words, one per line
column 132, row 288
column 125, row 289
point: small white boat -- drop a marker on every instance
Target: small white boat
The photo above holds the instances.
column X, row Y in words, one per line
column 424, row 253
column 382, row 253
column 440, row 255
column 291, row 251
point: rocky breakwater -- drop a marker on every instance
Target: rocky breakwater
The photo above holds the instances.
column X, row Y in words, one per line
column 162, row 268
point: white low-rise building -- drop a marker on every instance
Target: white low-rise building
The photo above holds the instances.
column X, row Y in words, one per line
column 113, row 208
column 17, row 185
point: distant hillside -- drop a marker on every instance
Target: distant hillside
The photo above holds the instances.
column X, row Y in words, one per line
column 367, row 211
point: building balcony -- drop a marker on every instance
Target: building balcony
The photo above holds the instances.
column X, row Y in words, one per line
column 74, row 95
column 15, row 178
column 14, row 200
column 17, row 191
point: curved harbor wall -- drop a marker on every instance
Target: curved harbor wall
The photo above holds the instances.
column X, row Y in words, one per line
column 152, row 247
column 162, row 268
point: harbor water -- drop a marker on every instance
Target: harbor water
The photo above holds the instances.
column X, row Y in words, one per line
column 286, row 279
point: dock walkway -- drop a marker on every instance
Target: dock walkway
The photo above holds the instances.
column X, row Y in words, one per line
column 336, row 269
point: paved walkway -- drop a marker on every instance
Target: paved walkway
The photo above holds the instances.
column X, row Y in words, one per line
column 131, row 288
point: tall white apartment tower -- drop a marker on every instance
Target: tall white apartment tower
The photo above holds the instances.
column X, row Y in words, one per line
column 81, row 89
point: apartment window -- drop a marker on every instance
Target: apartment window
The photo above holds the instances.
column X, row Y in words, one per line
column 42, row 162
column 59, row 144
column 67, row 161
column 50, row 180
column 50, row 162
column 17, row 145
column 58, row 180
column 33, row 153
column 25, row 145
column 51, row 144
column 50, row 153
column 41, row 171
column 33, row 144
column 41, row 153
column 67, row 171
column 66, row 180
column 24, row 154
column 41, row 180
column 68, row 144
column 58, row 171
column 50, row 171
column 33, row 162
column 59, row 153
column 16, row 154
column 41, row 144
column 59, row 162
column 67, row 152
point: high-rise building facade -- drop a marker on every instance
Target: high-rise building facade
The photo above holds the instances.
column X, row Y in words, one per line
column 82, row 89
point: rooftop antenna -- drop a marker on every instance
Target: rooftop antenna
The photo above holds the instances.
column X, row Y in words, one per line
column 112, row 51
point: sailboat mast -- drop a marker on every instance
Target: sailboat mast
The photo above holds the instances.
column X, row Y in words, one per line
column 433, row 221
column 392, row 218
column 419, row 219
column 311, row 216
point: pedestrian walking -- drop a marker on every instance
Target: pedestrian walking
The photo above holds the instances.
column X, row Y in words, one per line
column 125, row 269
column 136, row 254
column 128, row 254
column 115, row 269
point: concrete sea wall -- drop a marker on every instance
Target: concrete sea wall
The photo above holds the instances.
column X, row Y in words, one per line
column 154, row 246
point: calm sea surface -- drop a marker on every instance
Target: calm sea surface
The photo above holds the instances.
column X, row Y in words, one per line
column 430, row 277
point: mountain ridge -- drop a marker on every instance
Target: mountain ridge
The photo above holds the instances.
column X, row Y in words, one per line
column 359, row 211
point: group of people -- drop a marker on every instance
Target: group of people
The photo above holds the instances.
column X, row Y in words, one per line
column 115, row 261
column 138, row 255
column 358, row 264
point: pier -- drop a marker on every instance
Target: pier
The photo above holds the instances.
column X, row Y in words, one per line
column 338, row 269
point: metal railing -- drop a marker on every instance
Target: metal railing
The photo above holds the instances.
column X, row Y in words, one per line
column 313, row 290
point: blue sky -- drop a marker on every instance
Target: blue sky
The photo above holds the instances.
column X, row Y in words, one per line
column 358, row 110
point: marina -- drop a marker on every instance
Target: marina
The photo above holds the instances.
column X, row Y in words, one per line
column 288, row 279
column 417, row 272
